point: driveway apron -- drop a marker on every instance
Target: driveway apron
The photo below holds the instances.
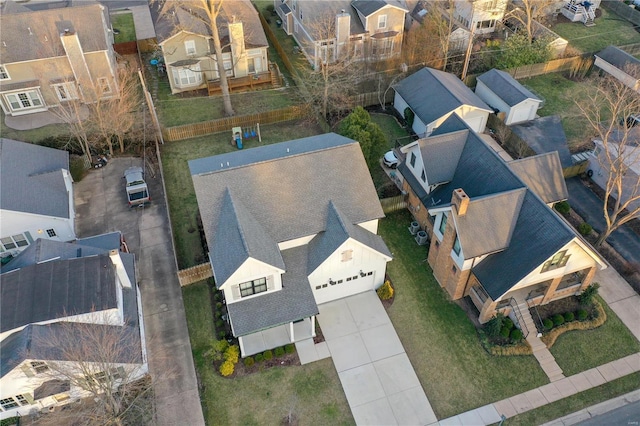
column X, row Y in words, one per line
column 377, row 377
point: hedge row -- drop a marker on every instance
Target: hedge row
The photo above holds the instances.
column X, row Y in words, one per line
column 550, row 337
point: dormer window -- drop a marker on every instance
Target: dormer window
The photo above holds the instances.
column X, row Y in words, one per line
column 382, row 22
column 190, row 47
column 413, row 159
column 423, row 176
column 253, row 287
column 443, row 224
column 4, row 75
column 456, row 246
column 559, row 260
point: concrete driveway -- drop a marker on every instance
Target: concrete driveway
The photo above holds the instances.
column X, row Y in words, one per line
column 377, row 377
column 589, row 206
column 101, row 206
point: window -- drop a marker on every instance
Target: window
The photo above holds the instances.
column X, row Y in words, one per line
column 228, row 68
column 184, row 77
column 39, row 367
column 382, row 22
column 558, row 260
column 251, row 65
column 413, row 159
column 103, row 85
column 190, row 47
column 4, row 75
column 347, row 255
column 382, row 47
column 15, row 241
column 8, row 403
column 454, row 269
column 24, row 100
column 51, row 233
column 340, row 281
column 423, row 176
column 318, row 287
column 22, row 399
column 456, row 246
column 253, row 287
column 65, row 91
column 443, row 224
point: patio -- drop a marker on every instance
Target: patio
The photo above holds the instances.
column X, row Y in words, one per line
column 261, row 341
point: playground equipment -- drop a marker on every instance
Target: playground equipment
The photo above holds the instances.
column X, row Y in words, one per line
column 237, row 137
column 241, row 133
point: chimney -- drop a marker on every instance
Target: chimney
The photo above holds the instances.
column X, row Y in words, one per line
column 121, row 273
column 461, row 201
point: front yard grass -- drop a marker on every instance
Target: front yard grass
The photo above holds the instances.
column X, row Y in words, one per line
column 609, row 29
column 123, row 22
column 180, row 193
column 311, row 392
column 574, row 351
column 440, row 340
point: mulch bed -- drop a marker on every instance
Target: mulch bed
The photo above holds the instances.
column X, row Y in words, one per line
column 562, row 306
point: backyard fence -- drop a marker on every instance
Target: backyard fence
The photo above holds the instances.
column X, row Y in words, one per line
column 274, row 41
column 371, row 98
column 195, row 274
column 623, row 10
column 225, row 124
column 126, row 48
column 393, row 204
column 631, row 49
column 575, row 170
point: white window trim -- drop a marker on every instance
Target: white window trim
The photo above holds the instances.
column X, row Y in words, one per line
column 382, row 22
column 65, row 91
column 179, row 74
column 190, row 47
column 103, row 83
column 15, row 242
column 28, row 93
column 3, row 70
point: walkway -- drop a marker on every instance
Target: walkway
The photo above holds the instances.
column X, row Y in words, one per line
column 377, row 377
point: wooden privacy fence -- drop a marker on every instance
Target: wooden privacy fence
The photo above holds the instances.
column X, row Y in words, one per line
column 195, row 274
column 225, row 124
column 126, row 48
column 393, row 204
column 575, row 170
column 371, row 98
column 274, row 41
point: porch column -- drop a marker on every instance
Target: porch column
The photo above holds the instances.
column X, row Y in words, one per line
column 588, row 278
column 551, row 290
column 313, row 326
column 291, row 332
column 488, row 310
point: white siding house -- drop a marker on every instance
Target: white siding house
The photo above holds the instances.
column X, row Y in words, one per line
column 502, row 92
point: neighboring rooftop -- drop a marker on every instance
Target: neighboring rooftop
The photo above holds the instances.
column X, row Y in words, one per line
column 618, row 57
column 506, row 87
column 544, row 135
column 543, row 175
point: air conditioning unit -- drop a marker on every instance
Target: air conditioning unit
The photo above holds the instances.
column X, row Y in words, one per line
column 414, row 227
column 422, row 238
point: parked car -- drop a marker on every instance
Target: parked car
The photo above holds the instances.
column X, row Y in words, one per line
column 136, row 187
column 390, row 160
column 631, row 121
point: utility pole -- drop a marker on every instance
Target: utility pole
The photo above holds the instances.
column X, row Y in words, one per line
column 467, row 56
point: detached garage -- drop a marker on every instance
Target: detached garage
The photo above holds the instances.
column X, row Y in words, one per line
column 503, row 93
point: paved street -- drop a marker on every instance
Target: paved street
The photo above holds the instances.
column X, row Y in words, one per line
column 101, row 206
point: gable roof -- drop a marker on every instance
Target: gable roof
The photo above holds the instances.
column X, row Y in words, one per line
column 432, row 94
column 194, row 21
column 369, row 7
column 239, row 236
column 506, row 87
column 32, row 178
column 543, row 135
column 36, row 34
column 488, row 225
column 617, row 57
column 441, row 155
column 290, row 184
column 543, row 175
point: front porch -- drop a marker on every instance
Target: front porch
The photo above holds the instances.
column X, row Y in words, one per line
column 292, row 332
column 249, row 82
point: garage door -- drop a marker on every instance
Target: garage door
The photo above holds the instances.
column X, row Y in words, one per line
column 343, row 287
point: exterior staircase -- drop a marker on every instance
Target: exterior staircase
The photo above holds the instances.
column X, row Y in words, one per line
column 588, row 19
column 540, row 351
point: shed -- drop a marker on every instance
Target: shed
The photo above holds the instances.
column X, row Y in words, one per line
column 502, row 92
column 619, row 64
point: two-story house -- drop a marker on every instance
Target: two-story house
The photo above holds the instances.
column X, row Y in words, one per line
column 369, row 30
column 185, row 38
column 52, row 56
column 481, row 16
column 36, row 200
column 68, row 293
column 494, row 236
column 289, row 226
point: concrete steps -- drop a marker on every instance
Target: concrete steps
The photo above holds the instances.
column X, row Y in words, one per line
column 540, row 350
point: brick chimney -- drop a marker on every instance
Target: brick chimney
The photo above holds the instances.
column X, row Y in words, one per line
column 461, row 201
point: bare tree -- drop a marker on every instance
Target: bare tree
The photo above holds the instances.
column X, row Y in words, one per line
column 104, row 362
column 74, row 114
column 607, row 105
column 529, row 11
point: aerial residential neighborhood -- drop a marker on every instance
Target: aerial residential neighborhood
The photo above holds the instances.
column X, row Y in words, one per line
column 382, row 212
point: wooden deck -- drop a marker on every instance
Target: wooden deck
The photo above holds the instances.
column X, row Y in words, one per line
column 268, row 78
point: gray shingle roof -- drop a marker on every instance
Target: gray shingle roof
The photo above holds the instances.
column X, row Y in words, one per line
column 440, row 155
column 368, row 7
column 506, row 87
column 432, row 94
column 108, row 241
column 36, row 35
column 545, row 134
column 239, row 236
column 32, row 179
column 294, row 302
column 43, row 250
column 488, row 225
column 543, row 175
column 617, row 57
column 54, row 289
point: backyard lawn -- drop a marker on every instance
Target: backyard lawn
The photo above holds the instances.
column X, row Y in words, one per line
column 392, row 130
column 123, row 22
column 609, row 29
column 34, row 135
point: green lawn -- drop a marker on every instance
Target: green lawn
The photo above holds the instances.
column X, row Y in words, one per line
column 577, row 402
column 574, row 350
column 123, row 22
column 559, row 94
column 312, row 392
column 182, row 199
column 392, row 130
column 609, row 29
column 34, row 135
column 440, row 340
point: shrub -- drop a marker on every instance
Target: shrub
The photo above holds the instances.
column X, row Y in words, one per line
column 232, row 354
column 219, row 324
column 504, row 332
column 582, row 314
column 290, row 348
column 516, row 335
column 547, row 324
column 558, row 320
column 267, row 355
column 218, row 305
column 278, row 351
column 586, row 297
column 584, row 228
column 568, row 317
column 494, row 325
column 222, row 334
column 563, row 207
column 259, row 357
column 218, row 315
column 218, row 296
column 226, row 369
column 249, row 361
column 385, row 292
column 270, row 8
column 409, row 116
column 508, row 323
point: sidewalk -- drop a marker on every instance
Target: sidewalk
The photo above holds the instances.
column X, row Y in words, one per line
column 596, row 410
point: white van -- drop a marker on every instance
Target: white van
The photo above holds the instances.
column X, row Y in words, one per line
column 137, row 191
